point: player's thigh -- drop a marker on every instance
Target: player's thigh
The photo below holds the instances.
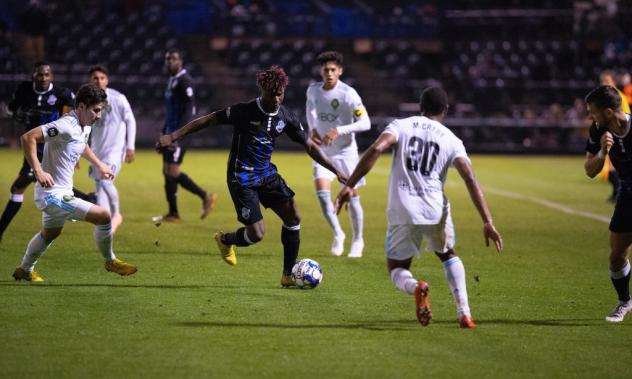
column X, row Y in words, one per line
column 277, row 195
column 346, row 163
column 322, row 184
column 246, row 203
column 403, row 241
column 58, row 209
column 287, row 212
column 98, row 215
column 321, row 174
column 440, row 237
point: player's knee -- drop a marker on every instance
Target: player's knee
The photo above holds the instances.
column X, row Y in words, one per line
column 102, row 216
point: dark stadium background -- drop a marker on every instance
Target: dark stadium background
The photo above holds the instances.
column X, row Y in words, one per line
column 516, row 71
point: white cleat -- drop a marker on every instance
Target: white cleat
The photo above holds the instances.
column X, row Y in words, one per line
column 619, row 312
column 338, row 245
column 356, row 249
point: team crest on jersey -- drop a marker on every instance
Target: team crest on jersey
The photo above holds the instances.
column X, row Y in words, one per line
column 52, row 132
column 335, row 104
column 245, row 213
column 280, row 126
column 51, row 100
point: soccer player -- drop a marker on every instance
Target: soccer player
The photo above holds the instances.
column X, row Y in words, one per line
column 610, row 136
column 34, row 103
column 252, row 178
column 112, row 141
column 334, row 114
column 417, row 206
column 65, row 142
column 180, row 110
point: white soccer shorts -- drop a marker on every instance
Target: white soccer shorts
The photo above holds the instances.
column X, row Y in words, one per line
column 96, row 175
column 344, row 163
column 57, row 209
column 403, row 241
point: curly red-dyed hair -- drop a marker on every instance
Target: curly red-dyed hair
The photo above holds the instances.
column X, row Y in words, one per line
column 273, row 79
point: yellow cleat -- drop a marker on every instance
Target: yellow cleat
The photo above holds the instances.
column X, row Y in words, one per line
column 22, row 274
column 118, row 266
column 227, row 251
column 287, row 281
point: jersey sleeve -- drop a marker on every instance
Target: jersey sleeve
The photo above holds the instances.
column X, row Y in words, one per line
column 228, row 115
column 55, row 132
column 393, row 128
column 593, row 144
column 310, row 110
column 130, row 123
column 458, row 150
column 294, row 129
column 17, row 99
column 355, row 103
column 185, row 88
column 67, row 98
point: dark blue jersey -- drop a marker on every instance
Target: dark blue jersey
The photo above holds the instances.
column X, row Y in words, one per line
column 620, row 153
column 33, row 108
column 254, row 135
column 180, row 102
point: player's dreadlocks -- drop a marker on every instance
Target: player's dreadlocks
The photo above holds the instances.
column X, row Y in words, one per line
column 273, row 79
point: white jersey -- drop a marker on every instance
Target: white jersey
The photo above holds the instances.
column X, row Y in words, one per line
column 65, row 141
column 425, row 151
column 341, row 108
column 115, row 131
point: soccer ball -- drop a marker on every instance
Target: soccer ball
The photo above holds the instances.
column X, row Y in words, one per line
column 307, row 273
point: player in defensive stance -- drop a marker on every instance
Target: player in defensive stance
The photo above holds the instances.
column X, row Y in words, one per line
column 65, row 142
column 112, row 141
column 610, row 136
column 252, row 178
column 417, row 206
column 334, row 114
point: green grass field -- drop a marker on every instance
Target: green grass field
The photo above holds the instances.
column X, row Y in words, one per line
column 539, row 306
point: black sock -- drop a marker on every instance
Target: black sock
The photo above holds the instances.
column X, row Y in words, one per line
column 622, row 285
column 188, row 184
column 90, row 197
column 171, row 191
column 291, row 241
column 235, row 238
column 10, row 211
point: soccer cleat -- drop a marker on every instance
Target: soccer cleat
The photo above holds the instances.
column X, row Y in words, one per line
column 171, row 218
column 356, row 249
column 466, row 322
column 287, row 281
column 118, row 266
column 619, row 312
column 210, row 199
column 422, row 303
column 227, row 251
column 337, row 245
column 22, row 274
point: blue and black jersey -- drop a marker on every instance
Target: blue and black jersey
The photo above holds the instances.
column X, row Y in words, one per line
column 255, row 132
column 620, row 153
column 33, row 108
column 180, row 101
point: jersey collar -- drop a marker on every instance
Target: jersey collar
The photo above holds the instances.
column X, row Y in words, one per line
column 179, row 74
column 50, row 87
column 264, row 112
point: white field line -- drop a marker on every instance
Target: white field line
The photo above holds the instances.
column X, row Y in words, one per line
column 548, row 204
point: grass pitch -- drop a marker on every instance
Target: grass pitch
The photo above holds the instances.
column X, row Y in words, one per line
column 539, row 306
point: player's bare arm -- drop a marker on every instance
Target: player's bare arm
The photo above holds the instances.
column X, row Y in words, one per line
column 191, row 127
column 29, row 141
column 315, row 136
column 464, row 168
column 105, row 170
column 366, row 163
column 314, row 151
column 594, row 162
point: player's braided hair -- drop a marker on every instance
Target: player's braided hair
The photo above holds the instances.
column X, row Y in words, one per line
column 273, row 79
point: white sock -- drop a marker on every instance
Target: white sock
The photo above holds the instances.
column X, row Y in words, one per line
column 17, row 197
column 356, row 214
column 621, row 273
column 455, row 275
column 103, row 238
column 403, row 280
column 328, row 211
column 102, row 196
column 34, row 251
column 113, row 196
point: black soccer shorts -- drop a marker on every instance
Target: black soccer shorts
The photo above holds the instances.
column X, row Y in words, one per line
column 173, row 153
column 621, row 221
column 246, row 200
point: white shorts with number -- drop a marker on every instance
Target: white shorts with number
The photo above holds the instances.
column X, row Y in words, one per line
column 345, row 163
column 56, row 209
column 404, row 241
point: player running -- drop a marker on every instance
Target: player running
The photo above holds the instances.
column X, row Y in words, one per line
column 252, row 178
column 417, row 206
column 335, row 113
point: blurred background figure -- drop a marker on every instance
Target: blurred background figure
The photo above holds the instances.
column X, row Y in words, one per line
column 34, row 24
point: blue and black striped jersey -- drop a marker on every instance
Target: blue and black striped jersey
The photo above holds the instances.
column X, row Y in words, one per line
column 180, row 102
column 254, row 135
column 620, row 153
column 33, row 108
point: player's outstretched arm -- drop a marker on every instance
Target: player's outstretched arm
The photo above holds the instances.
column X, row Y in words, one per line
column 594, row 162
column 105, row 170
column 314, row 151
column 191, row 127
column 464, row 168
column 366, row 163
column 29, row 142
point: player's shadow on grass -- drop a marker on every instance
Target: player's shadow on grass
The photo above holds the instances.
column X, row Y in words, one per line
column 571, row 322
column 110, row 285
column 367, row 325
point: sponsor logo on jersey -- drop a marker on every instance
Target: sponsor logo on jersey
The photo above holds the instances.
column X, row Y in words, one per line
column 52, row 132
column 327, row 117
column 280, row 126
column 335, row 104
column 51, row 100
column 245, row 213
